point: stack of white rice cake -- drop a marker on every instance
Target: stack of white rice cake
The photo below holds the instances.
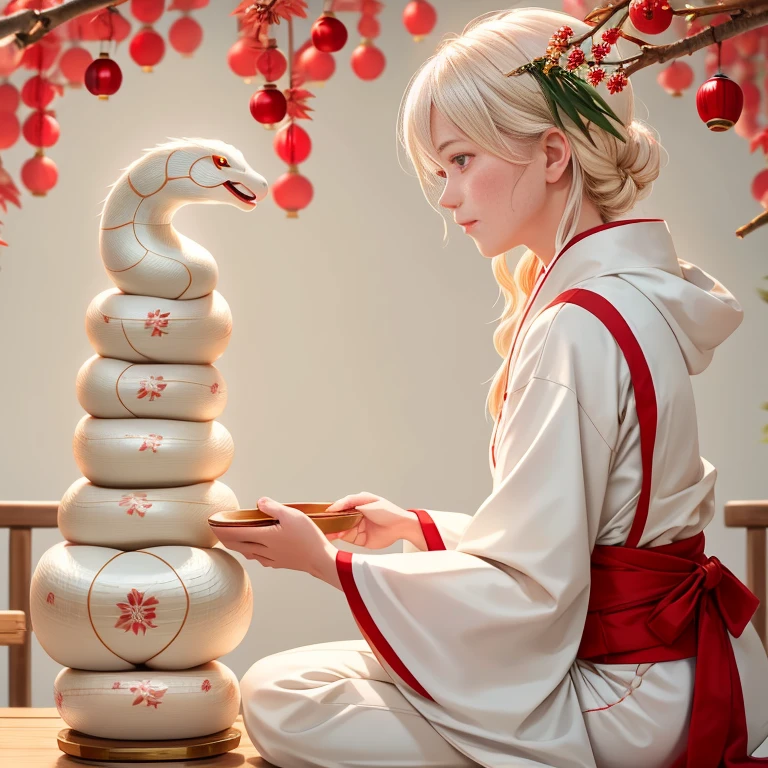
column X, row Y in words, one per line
column 137, row 604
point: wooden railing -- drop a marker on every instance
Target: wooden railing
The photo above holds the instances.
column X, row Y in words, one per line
column 753, row 515
column 15, row 627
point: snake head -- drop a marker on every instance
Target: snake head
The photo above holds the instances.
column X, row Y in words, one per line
column 248, row 187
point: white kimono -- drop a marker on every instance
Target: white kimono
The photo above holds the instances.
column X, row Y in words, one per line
column 481, row 638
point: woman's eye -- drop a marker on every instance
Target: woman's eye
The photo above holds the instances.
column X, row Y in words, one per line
column 441, row 173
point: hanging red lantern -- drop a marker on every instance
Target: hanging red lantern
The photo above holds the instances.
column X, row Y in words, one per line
column 760, row 188
column 675, row 78
column 747, row 126
column 185, row 35
column 9, row 97
column 367, row 61
column 243, row 56
column 317, row 66
column 369, row 27
column 719, row 102
column 10, row 56
column 328, row 33
column 272, row 62
column 101, row 25
column 147, row 11
column 10, row 129
column 268, row 105
column 103, row 76
column 41, row 129
column 37, row 92
column 419, row 18
column 73, row 63
column 292, row 144
column 748, row 43
column 147, row 48
column 187, row 5
column 41, row 56
column 650, row 16
column 39, row 174
column 292, row 192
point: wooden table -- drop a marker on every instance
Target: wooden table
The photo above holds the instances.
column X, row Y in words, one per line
column 28, row 740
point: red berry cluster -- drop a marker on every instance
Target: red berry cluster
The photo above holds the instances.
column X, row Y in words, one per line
column 559, row 44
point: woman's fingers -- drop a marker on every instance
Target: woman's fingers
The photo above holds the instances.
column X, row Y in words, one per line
column 352, row 500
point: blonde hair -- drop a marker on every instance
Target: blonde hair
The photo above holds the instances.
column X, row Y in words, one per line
column 464, row 80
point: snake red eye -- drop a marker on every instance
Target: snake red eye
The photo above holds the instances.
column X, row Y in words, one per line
column 221, row 161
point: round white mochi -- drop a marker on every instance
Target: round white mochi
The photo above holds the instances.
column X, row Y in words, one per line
column 149, row 329
column 118, row 389
column 131, row 518
column 145, row 704
column 156, row 453
column 97, row 608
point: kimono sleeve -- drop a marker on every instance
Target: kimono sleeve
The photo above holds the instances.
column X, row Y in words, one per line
column 442, row 530
column 481, row 638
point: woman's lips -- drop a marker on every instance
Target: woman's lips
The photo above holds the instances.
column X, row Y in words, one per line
column 467, row 227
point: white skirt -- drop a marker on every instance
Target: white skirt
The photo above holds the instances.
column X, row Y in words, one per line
column 332, row 705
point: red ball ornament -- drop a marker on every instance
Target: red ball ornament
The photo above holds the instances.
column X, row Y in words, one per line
column 650, row 16
column 369, row 27
column 419, row 18
column 10, row 57
column 10, row 129
column 268, row 105
column 272, row 63
column 368, row 61
column 242, row 58
column 39, row 174
column 103, row 76
column 760, row 188
column 147, row 11
column 719, row 102
column 675, row 78
column 318, row 66
column 9, row 97
column 41, row 56
column 41, row 129
column 37, row 92
column 329, row 34
column 147, row 48
column 292, row 192
column 73, row 63
column 185, row 35
column 748, row 43
column 292, row 144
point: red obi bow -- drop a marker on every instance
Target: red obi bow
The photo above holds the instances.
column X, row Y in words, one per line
column 668, row 603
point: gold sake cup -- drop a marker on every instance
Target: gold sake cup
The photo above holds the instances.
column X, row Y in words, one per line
column 327, row 522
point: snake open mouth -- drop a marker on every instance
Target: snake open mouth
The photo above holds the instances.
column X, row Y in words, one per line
column 240, row 190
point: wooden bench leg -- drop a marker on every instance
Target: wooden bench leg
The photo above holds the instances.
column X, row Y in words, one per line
column 20, row 656
column 756, row 574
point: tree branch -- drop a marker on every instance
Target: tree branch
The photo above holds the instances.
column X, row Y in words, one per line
column 30, row 26
column 759, row 221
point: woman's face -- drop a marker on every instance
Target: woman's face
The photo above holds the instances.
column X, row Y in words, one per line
column 506, row 200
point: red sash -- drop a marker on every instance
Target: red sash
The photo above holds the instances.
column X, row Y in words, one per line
column 670, row 602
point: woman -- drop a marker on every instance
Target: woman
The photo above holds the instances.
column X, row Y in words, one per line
column 564, row 623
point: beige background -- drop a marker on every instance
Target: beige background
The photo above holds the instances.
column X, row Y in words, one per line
column 361, row 353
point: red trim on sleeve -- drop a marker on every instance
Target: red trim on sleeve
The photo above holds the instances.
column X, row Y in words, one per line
column 430, row 530
column 642, row 384
column 371, row 632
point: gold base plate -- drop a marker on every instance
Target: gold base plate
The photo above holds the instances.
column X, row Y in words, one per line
column 82, row 746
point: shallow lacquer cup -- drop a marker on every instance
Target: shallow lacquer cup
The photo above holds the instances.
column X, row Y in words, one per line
column 327, row 522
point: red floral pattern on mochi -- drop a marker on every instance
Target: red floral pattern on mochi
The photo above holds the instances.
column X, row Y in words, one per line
column 150, row 691
column 152, row 441
column 137, row 613
column 214, row 388
column 152, row 386
column 156, row 321
column 58, row 697
column 50, row 598
column 136, row 502
column 115, row 685
column 206, row 686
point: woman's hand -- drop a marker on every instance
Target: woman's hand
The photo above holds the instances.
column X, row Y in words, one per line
column 295, row 542
column 383, row 523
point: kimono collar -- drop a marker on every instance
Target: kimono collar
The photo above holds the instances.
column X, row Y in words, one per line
column 607, row 249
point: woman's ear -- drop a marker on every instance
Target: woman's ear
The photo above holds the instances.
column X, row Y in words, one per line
column 557, row 151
